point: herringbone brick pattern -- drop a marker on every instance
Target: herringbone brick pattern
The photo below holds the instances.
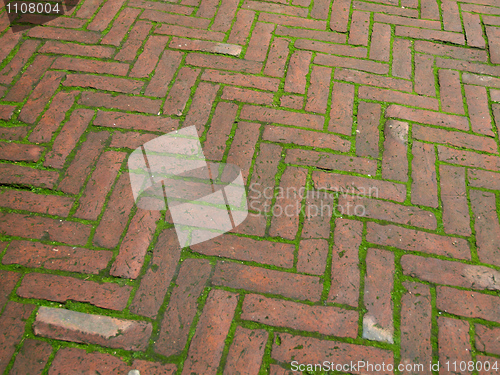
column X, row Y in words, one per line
column 384, row 111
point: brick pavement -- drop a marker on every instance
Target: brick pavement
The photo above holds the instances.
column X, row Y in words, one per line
column 386, row 111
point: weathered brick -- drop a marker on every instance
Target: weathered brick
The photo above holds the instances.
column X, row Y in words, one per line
column 32, row 357
column 54, row 46
column 56, row 257
column 246, row 351
column 428, row 117
column 424, row 75
column 331, row 161
column 423, row 172
column 90, row 66
column 18, row 61
column 360, row 25
column 17, row 174
column 201, row 106
column 9, row 281
column 241, row 27
column 134, row 41
column 247, row 95
column 67, row 325
column 133, row 121
column 341, row 108
column 487, row 339
column 312, row 256
column 479, row 112
column 124, row 85
column 261, row 280
column 20, row 152
column 282, row 117
column 122, row 102
column 164, row 72
column 451, row 92
column 317, row 94
column 120, row 26
column 408, row 239
column 395, row 159
column 367, row 132
column 469, row 158
column 259, row 41
column 327, row 320
column 456, row 218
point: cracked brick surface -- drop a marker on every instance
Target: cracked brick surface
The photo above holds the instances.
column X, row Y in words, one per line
column 367, row 136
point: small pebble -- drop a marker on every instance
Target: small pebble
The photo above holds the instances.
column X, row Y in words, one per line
column 134, row 372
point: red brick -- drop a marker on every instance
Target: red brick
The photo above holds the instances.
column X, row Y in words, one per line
column 180, row 91
column 105, row 15
column 460, row 53
column 9, row 281
column 326, row 36
column 388, row 211
column 276, row 60
column 445, row 272
column 467, row 66
column 444, row 36
column 344, row 287
column 416, row 322
column 451, row 92
column 67, row 325
column 261, row 83
column 15, row 65
column 486, row 225
column 53, row 117
column 122, row 102
column 134, row 41
column 162, row 17
column 312, row 255
column 132, row 121
column 20, row 152
column 12, row 323
column 243, row 146
column 423, row 173
column 487, row 339
column 377, row 322
column 493, row 34
column 105, row 83
column 130, row 140
column 32, row 357
column 225, row 15
column 395, row 159
column 424, row 75
column 456, row 218
column 379, row 8
column 473, row 30
column 45, row 204
column 451, row 16
column 223, row 62
column 305, row 138
column 457, row 139
column 360, row 24
column 363, row 186
column 469, row 158
column 333, row 49
column 182, row 306
column 331, row 161
column 327, row 320
column 243, row 248
column 401, row 58
column 69, row 359
column 320, row 9
column 44, row 228
column 246, row 351
column 298, row 68
column 241, row 27
column 164, row 7
column 79, row 36
column 121, row 26
column 247, row 96
column 14, row 133
column 309, row 350
column 292, row 101
column 189, row 33
column 17, row 174
column 317, row 94
column 254, row 225
column 201, row 106
column 412, row 240
column 263, row 183
column 381, row 42
column 282, row 117
column 165, row 70
column 485, row 179
column 468, row 304
column 103, row 177
column 67, row 139
column 222, row 123
column 341, row 108
column 372, row 79
column 203, row 358
column 317, row 212
column 54, row 46
column 90, row 66
column 261, row 280
column 61, row 289
column 89, row 8
column 259, row 40
column 382, row 95
column 348, row 62
column 29, row 78
column 81, row 165
column 149, row 297
column 148, row 59
column 428, row 117
column 207, row 9
column 56, row 257
column 367, row 132
column 275, row 8
column 133, row 248
column 479, row 112
column 341, row 9
column 286, row 210
column 405, row 21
